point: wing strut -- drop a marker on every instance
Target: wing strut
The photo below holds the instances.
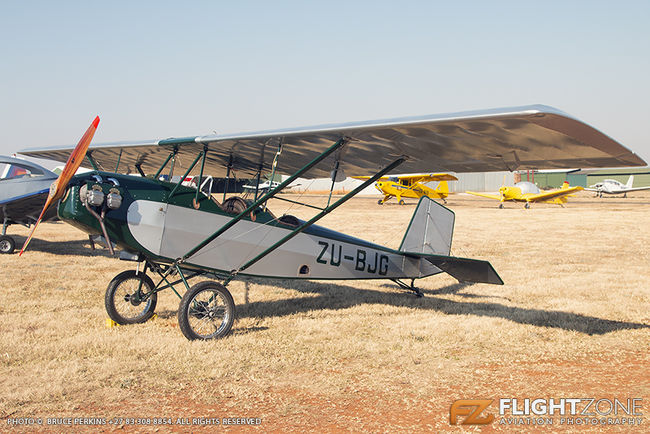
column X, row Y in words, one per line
column 269, row 195
column 169, row 157
column 317, row 217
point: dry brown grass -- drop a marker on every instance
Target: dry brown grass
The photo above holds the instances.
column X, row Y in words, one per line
column 571, row 321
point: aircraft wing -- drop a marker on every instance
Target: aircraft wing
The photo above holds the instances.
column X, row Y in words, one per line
column 627, row 190
column 489, row 196
column 417, row 177
column 433, row 177
column 383, row 178
column 528, row 137
column 553, row 194
column 25, row 209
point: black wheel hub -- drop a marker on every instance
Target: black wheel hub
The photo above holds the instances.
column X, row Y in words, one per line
column 134, row 299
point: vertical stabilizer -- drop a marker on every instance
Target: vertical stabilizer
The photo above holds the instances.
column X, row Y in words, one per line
column 430, row 230
column 630, row 181
column 443, row 189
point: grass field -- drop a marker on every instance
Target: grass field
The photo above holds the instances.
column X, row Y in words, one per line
column 571, row 321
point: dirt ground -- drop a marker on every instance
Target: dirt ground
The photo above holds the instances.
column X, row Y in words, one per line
column 571, row 321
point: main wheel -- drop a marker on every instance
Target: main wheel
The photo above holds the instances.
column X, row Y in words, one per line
column 7, row 244
column 527, row 205
column 401, row 202
column 234, row 205
column 130, row 298
column 207, row 311
column 380, row 202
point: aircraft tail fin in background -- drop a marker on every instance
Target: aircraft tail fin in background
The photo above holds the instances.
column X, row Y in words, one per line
column 630, row 181
column 443, row 188
column 565, row 185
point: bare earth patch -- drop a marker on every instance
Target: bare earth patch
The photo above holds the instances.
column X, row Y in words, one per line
column 571, row 322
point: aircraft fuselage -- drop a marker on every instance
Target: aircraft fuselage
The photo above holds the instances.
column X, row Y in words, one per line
column 163, row 227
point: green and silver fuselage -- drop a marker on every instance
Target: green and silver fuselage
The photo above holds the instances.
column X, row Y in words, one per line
column 163, row 227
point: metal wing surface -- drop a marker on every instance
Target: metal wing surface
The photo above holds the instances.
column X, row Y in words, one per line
column 529, row 137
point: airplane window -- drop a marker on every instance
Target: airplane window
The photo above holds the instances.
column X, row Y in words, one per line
column 12, row 171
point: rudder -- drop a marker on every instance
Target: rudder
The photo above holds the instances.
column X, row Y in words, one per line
column 430, row 230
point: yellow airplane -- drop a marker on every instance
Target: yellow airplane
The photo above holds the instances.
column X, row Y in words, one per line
column 412, row 186
column 528, row 192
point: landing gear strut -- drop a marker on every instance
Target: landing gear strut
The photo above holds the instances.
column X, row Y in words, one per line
column 410, row 287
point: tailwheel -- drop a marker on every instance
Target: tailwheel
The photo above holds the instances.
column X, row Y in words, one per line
column 130, row 298
column 207, row 311
column 7, row 244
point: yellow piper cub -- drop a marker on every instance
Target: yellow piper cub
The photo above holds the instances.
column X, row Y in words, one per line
column 528, row 192
column 412, row 186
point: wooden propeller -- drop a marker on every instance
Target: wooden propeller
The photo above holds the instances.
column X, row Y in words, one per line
column 58, row 187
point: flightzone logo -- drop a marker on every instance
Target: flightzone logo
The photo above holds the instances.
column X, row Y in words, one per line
column 551, row 411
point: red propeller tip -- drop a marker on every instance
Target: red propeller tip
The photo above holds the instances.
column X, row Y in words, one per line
column 96, row 122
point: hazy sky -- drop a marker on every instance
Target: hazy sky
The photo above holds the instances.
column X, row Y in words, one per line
column 155, row 69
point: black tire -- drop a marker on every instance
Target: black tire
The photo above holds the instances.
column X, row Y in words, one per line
column 380, row 202
column 401, row 202
column 207, row 311
column 7, row 244
column 119, row 296
column 527, row 205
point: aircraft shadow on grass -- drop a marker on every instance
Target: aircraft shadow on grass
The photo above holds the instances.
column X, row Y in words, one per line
column 76, row 247
column 339, row 296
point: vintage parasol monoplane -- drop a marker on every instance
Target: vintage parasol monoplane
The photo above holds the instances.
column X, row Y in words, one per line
column 178, row 232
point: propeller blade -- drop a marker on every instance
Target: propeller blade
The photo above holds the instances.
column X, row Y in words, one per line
column 59, row 185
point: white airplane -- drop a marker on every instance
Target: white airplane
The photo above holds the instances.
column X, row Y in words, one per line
column 265, row 186
column 262, row 185
column 612, row 186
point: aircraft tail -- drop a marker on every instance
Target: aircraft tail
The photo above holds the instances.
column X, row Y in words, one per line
column 429, row 237
column 443, row 189
column 630, row 181
column 565, row 185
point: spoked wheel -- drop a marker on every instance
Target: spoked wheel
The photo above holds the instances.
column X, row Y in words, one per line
column 7, row 244
column 130, row 298
column 207, row 311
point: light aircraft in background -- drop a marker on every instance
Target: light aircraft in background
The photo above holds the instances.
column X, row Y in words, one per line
column 412, row 186
column 24, row 187
column 528, row 192
column 612, row 186
column 264, row 186
column 178, row 233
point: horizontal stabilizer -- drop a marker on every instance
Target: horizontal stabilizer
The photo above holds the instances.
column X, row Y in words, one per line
column 465, row 270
